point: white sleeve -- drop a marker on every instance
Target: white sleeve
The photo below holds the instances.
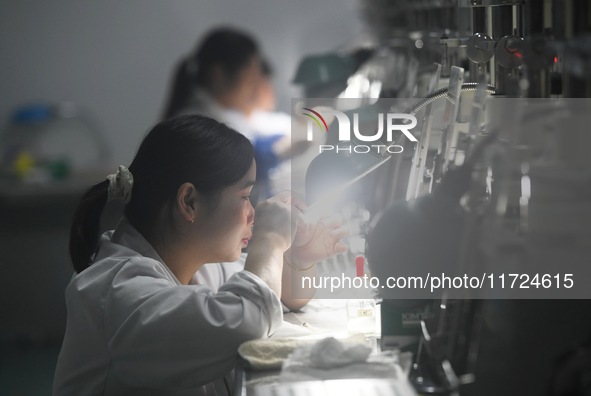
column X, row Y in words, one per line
column 230, row 269
column 161, row 333
column 214, row 275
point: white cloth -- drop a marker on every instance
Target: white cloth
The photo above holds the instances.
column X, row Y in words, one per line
column 134, row 329
column 333, row 359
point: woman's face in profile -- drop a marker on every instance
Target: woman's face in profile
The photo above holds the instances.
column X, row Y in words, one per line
column 228, row 224
column 245, row 90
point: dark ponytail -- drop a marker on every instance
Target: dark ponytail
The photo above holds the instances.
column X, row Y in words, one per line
column 185, row 149
column 84, row 232
column 181, row 87
column 226, row 48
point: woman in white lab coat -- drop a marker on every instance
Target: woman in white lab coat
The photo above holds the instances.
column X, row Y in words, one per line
column 220, row 79
column 226, row 78
column 137, row 323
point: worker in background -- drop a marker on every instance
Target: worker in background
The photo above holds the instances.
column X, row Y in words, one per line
column 220, row 79
column 227, row 79
column 143, row 317
column 274, row 144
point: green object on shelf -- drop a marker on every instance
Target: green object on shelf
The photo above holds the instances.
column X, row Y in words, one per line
column 324, row 69
column 59, row 169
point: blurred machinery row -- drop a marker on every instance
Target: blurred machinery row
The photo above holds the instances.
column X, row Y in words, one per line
column 500, row 90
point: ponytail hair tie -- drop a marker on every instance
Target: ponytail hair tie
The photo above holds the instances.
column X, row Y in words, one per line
column 120, row 185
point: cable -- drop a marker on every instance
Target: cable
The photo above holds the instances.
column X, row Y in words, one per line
column 442, row 93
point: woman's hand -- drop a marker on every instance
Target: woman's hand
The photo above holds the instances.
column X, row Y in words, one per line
column 274, row 223
column 274, row 227
column 313, row 242
column 317, row 242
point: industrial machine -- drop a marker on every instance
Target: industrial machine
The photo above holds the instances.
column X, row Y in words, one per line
column 497, row 183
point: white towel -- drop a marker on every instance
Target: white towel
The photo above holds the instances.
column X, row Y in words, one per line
column 333, row 359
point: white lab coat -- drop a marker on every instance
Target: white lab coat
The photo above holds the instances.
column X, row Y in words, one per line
column 133, row 329
column 204, row 104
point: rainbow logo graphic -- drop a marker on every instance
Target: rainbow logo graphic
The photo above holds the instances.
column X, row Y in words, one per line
column 317, row 118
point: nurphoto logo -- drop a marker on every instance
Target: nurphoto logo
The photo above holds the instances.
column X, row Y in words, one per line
column 391, row 122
